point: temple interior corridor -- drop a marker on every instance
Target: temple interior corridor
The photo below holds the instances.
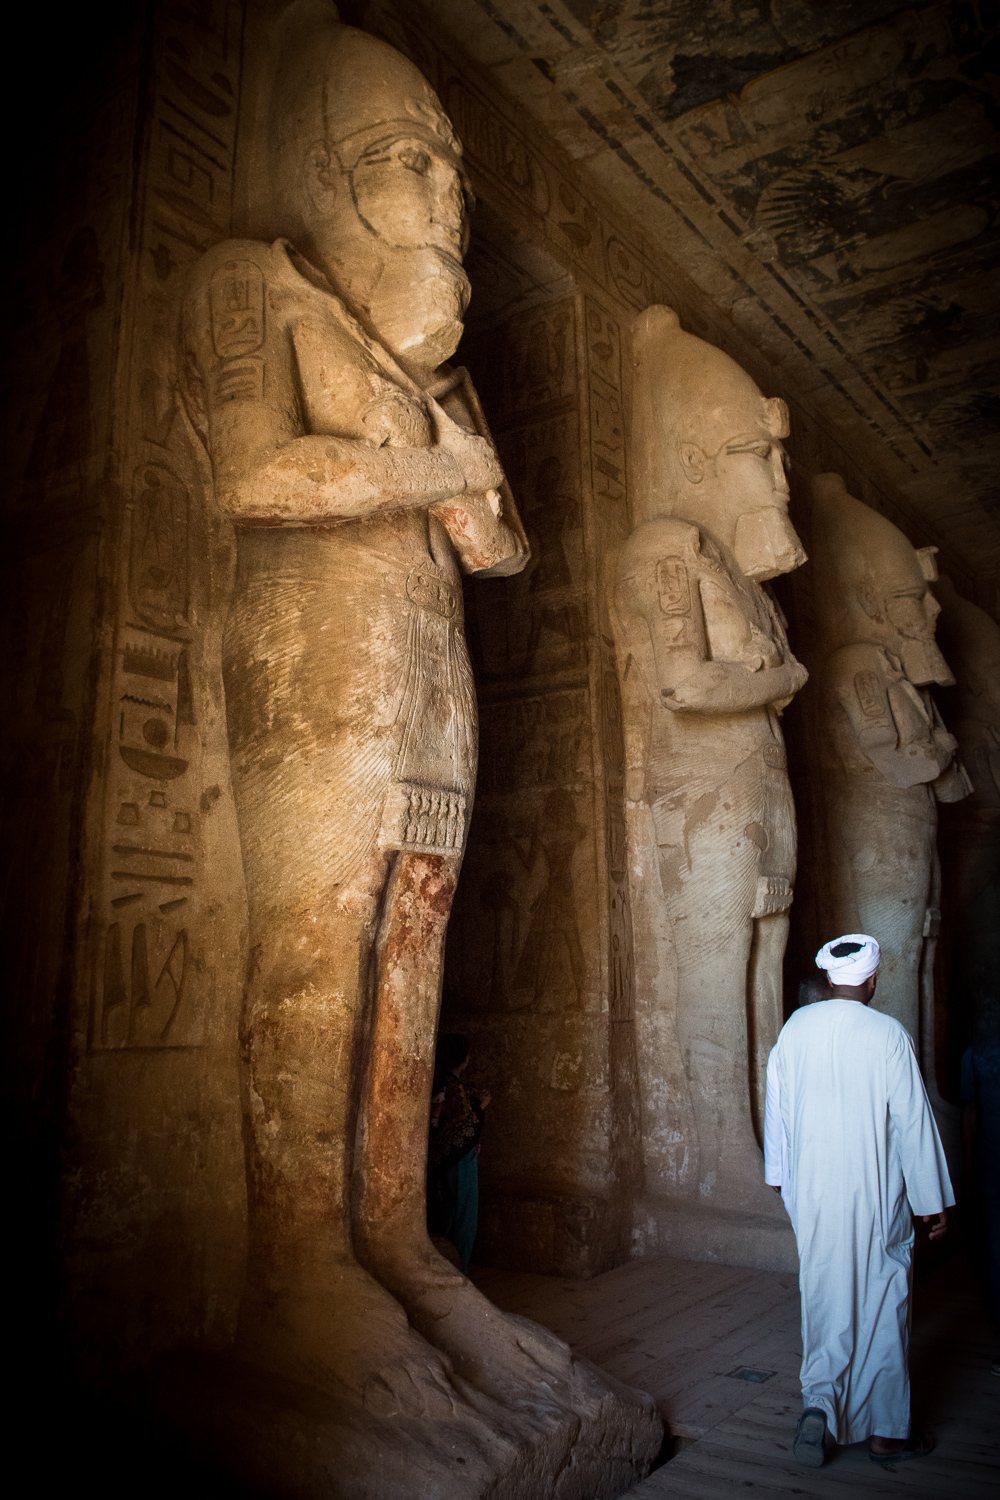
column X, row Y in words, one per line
column 501, row 567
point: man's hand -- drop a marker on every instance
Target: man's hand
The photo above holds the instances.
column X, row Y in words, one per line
column 940, row 1223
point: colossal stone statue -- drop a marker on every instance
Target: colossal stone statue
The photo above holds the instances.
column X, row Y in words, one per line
column 884, row 758
column 361, row 482
column 706, row 672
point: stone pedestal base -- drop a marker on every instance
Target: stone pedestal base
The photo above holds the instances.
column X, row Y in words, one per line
column 280, row 1439
column 763, row 1243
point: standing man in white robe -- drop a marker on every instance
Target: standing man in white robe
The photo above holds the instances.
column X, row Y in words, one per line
column 851, row 1144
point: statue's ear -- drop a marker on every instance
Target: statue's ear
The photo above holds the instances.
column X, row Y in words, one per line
column 869, row 601
column 321, row 171
column 928, row 563
column 693, row 462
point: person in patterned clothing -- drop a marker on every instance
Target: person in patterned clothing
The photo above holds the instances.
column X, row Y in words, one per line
column 453, row 1149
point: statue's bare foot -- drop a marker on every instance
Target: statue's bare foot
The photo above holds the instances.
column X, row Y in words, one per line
column 350, row 1337
column 500, row 1354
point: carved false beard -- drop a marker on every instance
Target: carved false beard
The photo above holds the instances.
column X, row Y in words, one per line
column 922, row 662
column 418, row 304
column 766, row 543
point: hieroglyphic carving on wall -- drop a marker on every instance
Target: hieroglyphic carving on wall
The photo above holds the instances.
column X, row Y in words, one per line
column 607, row 450
column 153, row 976
column 621, row 966
column 540, row 361
column 607, row 414
column 535, row 625
column 521, row 896
column 537, row 628
column 543, row 623
column 533, row 824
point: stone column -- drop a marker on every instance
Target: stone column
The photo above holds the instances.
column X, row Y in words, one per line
column 706, row 671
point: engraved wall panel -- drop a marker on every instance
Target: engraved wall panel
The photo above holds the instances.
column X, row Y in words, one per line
column 156, row 1194
column 163, row 780
column 540, row 953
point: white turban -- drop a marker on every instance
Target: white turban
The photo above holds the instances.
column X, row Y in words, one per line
column 853, row 968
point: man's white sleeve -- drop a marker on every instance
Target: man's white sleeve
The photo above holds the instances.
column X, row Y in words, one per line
column 775, row 1145
column 914, row 1133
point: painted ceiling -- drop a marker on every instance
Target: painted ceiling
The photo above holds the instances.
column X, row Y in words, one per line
column 827, row 171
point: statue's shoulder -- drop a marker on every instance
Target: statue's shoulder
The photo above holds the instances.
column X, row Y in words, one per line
column 861, row 656
column 663, row 537
column 230, row 252
column 224, row 306
column 227, row 259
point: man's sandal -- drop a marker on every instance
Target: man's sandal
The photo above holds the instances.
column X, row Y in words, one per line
column 914, row 1447
column 808, row 1444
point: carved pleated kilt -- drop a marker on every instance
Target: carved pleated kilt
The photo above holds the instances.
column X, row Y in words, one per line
column 351, row 711
column 881, row 844
column 725, row 833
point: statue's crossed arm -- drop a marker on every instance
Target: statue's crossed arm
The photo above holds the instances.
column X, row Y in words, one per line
column 255, row 396
column 659, row 596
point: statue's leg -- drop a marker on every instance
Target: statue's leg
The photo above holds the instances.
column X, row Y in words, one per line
column 764, row 1014
column 501, row 1353
column 310, row 1310
column 713, row 956
column 708, row 877
column 886, row 840
column 926, row 1042
column 776, row 835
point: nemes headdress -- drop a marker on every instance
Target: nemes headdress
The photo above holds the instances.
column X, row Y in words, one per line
column 348, row 90
column 691, row 392
column 854, row 966
column 866, row 561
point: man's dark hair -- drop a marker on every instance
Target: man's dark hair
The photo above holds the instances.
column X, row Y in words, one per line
column 452, row 1049
column 843, row 950
column 815, row 987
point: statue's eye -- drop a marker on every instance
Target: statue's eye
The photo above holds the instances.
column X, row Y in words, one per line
column 416, row 160
column 759, row 450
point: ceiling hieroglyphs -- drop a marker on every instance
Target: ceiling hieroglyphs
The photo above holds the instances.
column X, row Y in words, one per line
column 826, row 175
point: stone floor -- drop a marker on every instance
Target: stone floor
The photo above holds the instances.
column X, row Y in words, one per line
column 679, row 1330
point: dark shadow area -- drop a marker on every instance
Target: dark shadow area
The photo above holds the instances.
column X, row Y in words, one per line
column 73, row 1444
column 953, row 1342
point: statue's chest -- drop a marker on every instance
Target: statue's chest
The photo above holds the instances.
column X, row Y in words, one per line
column 740, row 624
column 344, row 390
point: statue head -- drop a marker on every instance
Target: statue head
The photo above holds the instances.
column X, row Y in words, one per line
column 707, row 445
column 366, row 180
column 873, row 584
column 972, row 639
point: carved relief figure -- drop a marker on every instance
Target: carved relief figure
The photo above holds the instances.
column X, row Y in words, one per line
column 551, row 970
column 885, row 757
column 706, row 671
column 360, row 490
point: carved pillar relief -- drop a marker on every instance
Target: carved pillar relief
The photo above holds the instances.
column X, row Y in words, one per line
column 154, row 983
column 545, row 877
column 163, row 888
